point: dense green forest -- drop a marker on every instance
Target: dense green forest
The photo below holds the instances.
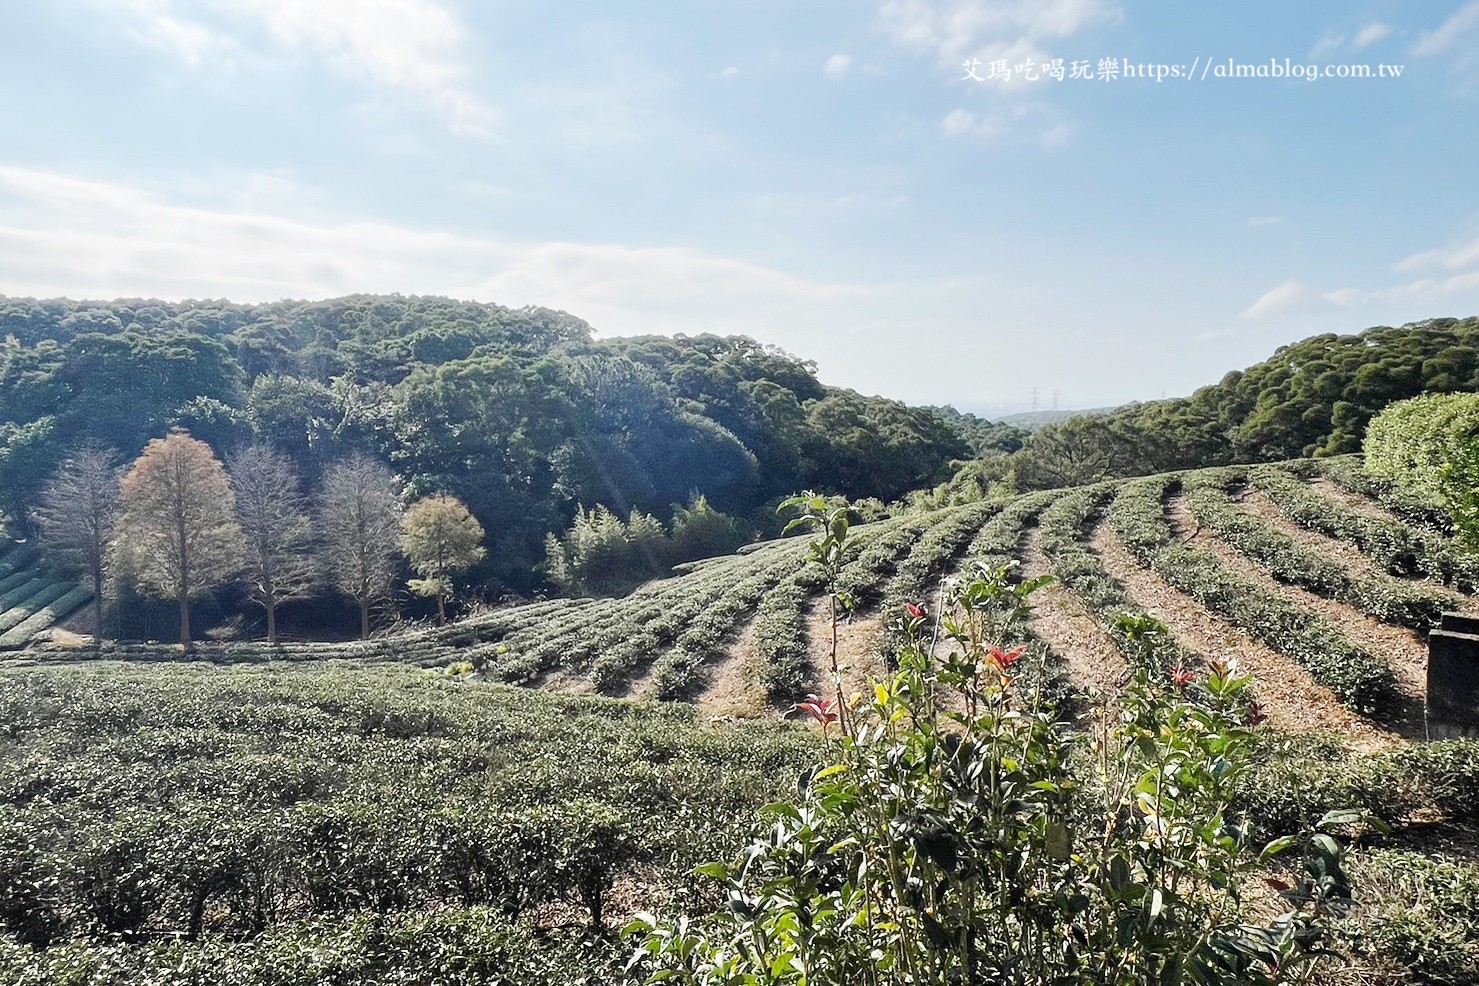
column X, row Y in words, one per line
column 533, row 423
column 1311, row 398
column 521, row 414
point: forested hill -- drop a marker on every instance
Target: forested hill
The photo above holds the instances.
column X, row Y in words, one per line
column 1312, row 398
column 520, row 413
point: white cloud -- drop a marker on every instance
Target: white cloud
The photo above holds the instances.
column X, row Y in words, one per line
column 190, row 42
column 1056, row 136
column 1457, row 256
column 1288, row 298
column 957, row 30
column 1456, row 282
column 837, row 66
column 1454, row 30
column 1265, row 220
column 62, row 235
column 1370, row 35
column 623, row 289
column 964, row 123
column 1326, row 44
column 729, row 72
column 413, row 46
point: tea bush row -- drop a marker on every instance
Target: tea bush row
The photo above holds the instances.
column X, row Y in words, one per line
column 645, row 633
column 782, row 639
column 1349, row 473
column 862, row 578
column 476, row 946
column 999, row 543
column 1419, row 911
column 12, row 582
column 1303, row 778
column 1064, row 526
column 577, row 640
column 947, row 535
column 1400, row 548
column 1357, row 678
column 677, row 670
column 1389, row 599
column 37, row 602
column 58, row 609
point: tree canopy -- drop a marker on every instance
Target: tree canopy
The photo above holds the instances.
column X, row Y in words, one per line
column 520, row 413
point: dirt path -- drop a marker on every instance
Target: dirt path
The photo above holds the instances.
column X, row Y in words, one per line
column 1400, row 648
column 732, row 686
column 1293, row 701
column 857, row 650
column 643, row 685
column 1355, row 501
column 1062, row 621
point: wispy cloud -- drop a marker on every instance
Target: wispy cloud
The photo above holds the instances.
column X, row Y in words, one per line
column 1448, row 274
column 1364, row 38
column 411, row 46
column 964, row 123
column 1370, row 35
column 1265, row 220
column 837, row 66
column 64, row 235
column 1458, row 28
column 1455, row 256
column 957, row 30
column 1288, row 298
column 1056, row 136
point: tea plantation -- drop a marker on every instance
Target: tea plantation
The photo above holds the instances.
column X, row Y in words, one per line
column 392, row 811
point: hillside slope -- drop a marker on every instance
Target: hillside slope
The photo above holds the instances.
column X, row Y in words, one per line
column 30, row 601
column 1301, row 572
column 1298, row 570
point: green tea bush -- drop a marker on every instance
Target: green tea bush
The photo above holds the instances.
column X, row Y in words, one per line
column 1400, row 548
column 1063, row 527
column 457, row 947
column 949, row 532
column 677, row 670
column 1349, row 473
column 1360, row 680
column 1421, row 912
column 1389, row 599
column 1418, row 445
column 782, row 640
column 1432, row 780
column 145, row 808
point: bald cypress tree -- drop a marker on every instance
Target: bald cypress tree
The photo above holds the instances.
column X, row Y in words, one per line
column 77, row 516
column 361, row 520
column 179, row 535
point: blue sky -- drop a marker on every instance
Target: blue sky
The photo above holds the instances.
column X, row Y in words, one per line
column 823, row 175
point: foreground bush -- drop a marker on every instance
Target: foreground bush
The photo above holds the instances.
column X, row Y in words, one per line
column 963, row 835
column 142, row 807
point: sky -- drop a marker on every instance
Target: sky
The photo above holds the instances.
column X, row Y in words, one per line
column 907, row 192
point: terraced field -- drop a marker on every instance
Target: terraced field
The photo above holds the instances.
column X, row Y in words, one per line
column 30, row 601
column 1311, row 574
